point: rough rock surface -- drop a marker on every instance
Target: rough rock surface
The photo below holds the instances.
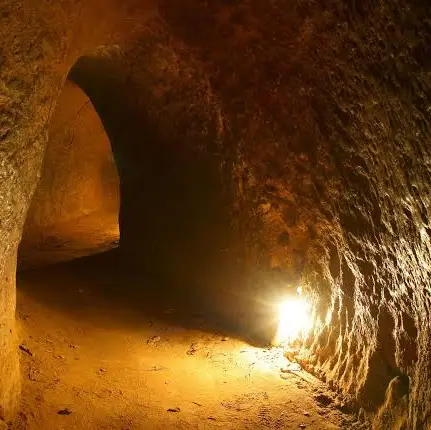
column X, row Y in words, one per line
column 307, row 120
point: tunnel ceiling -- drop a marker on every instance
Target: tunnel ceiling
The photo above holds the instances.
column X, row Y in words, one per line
column 309, row 122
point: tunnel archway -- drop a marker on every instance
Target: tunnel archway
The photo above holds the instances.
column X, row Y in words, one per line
column 174, row 205
column 74, row 211
column 175, row 189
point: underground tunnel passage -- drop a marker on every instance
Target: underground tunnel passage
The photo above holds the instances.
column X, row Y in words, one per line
column 176, row 323
column 76, row 202
column 231, row 222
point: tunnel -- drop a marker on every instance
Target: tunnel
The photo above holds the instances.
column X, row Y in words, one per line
column 215, row 214
column 76, row 202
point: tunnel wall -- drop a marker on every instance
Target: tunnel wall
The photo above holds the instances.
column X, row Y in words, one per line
column 39, row 43
column 329, row 104
column 78, row 174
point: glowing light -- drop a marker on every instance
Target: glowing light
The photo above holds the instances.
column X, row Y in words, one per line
column 294, row 321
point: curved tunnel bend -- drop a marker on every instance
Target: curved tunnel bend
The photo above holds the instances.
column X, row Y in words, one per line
column 243, row 177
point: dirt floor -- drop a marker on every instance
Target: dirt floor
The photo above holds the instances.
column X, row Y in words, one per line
column 90, row 234
column 94, row 356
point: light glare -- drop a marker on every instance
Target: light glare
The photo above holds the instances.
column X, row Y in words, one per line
column 294, row 321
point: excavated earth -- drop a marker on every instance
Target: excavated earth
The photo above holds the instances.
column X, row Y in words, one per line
column 151, row 359
column 259, row 146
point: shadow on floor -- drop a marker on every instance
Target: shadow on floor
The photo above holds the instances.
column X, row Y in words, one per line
column 87, row 286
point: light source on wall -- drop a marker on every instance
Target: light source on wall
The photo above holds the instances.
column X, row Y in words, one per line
column 294, row 320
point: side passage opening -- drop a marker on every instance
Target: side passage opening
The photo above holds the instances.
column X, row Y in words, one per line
column 74, row 211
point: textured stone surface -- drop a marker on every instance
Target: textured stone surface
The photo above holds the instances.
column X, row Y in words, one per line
column 318, row 113
column 39, row 43
column 331, row 105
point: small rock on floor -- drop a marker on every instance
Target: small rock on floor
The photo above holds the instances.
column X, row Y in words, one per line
column 323, row 399
column 65, row 411
column 153, row 340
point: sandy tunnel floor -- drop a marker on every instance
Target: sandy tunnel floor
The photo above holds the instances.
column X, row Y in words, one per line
column 92, row 362
column 89, row 234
